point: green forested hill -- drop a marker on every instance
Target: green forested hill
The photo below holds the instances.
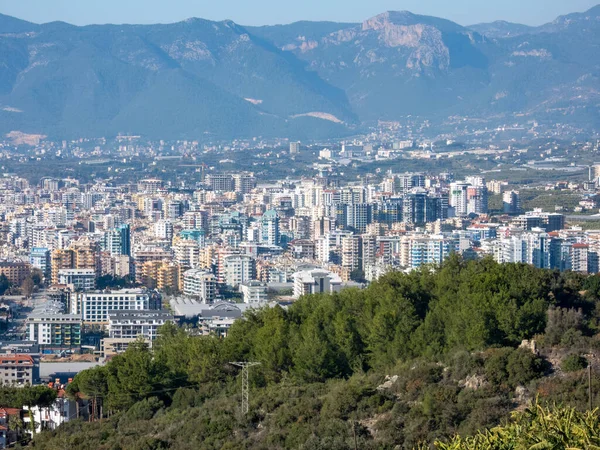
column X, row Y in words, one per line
column 413, row 359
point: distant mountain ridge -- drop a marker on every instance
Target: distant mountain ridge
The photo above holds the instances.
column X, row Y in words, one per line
column 304, row 80
column 192, row 78
column 501, row 29
column 10, row 24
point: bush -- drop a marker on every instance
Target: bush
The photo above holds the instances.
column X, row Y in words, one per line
column 150, row 443
column 144, row 410
column 186, row 398
column 572, row 338
column 513, row 367
column 495, row 365
column 561, row 320
column 343, row 398
column 573, row 363
column 462, row 364
column 523, row 366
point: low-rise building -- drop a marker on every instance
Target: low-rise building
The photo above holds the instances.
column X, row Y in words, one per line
column 218, row 319
column 134, row 324
column 8, row 434
column 116, row 346
column 18, row 369
column 79, row 279
column 51, row 417
column 315, row 281
column 217, row 326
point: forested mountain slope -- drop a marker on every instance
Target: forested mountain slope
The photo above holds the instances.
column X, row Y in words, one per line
column 410, row 360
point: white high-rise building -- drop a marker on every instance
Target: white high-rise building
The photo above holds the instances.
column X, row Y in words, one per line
column 477, row 199
column 430, row 250
column 475, row 181
column 351, row 257
column 536, row 248
column 80, row 279
column 187, row 253
column 270, row 227
column 163, row 229
column 580, row 258
column 200, row 284
column 458, row 198
column 243, row 183
column 238, row 269
column 136, row 324
column 254, row 293
column 512, row 202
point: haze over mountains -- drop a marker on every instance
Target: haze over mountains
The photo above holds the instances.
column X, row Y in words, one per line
column 308, row 79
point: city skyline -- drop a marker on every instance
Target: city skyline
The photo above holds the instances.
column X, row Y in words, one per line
column 270, row 12
column 271, row 224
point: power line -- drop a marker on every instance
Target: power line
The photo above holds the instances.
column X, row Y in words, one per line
column 245, row 387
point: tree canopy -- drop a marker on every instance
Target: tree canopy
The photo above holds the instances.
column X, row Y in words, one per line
column 413, row 358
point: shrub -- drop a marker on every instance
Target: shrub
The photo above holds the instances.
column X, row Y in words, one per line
column 186, row 398
column 561, row 320
column 495, row 365
column 573, row 363
column 462, row 364
column 523, row 366
column 144, row 409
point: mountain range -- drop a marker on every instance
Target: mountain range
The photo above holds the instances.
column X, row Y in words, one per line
column 200, row 78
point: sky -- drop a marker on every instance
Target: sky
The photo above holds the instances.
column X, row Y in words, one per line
column 268, row 12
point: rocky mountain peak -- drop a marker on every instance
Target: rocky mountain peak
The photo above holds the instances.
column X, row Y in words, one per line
column 388, row 19
column 402, row 29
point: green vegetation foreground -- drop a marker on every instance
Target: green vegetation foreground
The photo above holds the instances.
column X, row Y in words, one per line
column 414, row 358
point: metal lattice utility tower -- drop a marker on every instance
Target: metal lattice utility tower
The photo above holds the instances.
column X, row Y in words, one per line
column 245, row 387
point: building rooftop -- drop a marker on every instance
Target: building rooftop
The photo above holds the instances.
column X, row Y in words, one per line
column 308, row 276
column 139, row 314
column 119, row 291
column 15, row 347
column 17, row 358
column 188, row 307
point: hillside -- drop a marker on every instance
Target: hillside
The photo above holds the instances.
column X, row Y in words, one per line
column 13, row 25
column 400, row 63
column 501, row 29
column 186, row 79
column 412, row 359
column 304, row 80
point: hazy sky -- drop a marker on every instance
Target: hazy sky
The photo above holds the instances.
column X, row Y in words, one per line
column 260, row 12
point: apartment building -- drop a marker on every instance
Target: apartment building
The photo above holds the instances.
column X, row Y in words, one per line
column 18, row 369
column 94, row 306
column 135, row 324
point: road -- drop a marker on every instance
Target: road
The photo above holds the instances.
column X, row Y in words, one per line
column 17, row 327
